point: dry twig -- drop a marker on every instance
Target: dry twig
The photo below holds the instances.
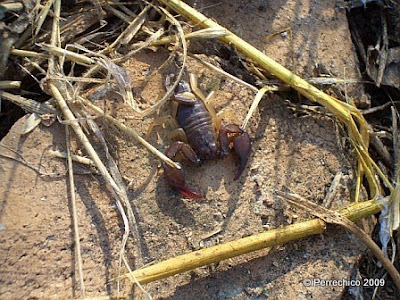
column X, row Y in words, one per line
column 74, row 213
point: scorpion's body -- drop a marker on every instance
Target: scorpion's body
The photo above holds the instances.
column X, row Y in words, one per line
column 195, row 120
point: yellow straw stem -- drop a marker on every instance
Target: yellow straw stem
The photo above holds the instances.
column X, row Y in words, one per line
column 248, row 244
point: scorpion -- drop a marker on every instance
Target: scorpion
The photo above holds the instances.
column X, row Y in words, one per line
column 204, row 141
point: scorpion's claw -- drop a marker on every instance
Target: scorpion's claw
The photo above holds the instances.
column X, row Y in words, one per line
column 242, row 146
column 176, row 179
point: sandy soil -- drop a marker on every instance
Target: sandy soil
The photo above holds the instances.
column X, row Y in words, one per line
column 300, row 154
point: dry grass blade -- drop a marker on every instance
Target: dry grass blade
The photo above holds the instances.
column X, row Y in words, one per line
column 383, row 52
column 124, row 81
column 62, row 53
column 119, row 14
column 127, row 35
column 31, row 123
column 395, row 207
column 8, row 84
column 28, row 104
column 255, row 103
column 335, row 185
column 79, row 79
column 338, row 219
column 42, row 16
column 148, row 296
column 14, row 6
column 141, row 45
column 195, row 259
column 207, row 33
column 349, row 115
column 26, row 53
column 133, row 28
column 131, row 220
column 396, row 142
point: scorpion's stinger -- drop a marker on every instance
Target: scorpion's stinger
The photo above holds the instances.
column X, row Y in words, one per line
column 175, row 177
column 190, row 194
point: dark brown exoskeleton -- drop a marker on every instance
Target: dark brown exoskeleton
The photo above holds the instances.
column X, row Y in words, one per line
column 195, row 120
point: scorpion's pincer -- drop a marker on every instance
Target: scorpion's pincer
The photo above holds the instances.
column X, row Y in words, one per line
column 241, row 144
column 242, row 147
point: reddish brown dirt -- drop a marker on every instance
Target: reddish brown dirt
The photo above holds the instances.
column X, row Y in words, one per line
column 300, row 154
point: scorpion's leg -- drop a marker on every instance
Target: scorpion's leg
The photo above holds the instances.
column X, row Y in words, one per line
column 175, row 177
column 160, row 121
column 177, row 134
column 241, row 144
column 216, row 119
column 207, row 101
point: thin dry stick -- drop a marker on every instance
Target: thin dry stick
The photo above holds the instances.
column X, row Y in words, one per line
column 378, row 108
column 219, row 70
column 26, row 53
column 395, row 207
column 140, row 46
column 148, row 296
column 336, row 218
column 74, row 214
column 19, row 158
column 208, row 33
column 126, row 36
column 380, row 148
column 131, row 132
column 55, row 35
column 76, row 158
column 195, row 259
